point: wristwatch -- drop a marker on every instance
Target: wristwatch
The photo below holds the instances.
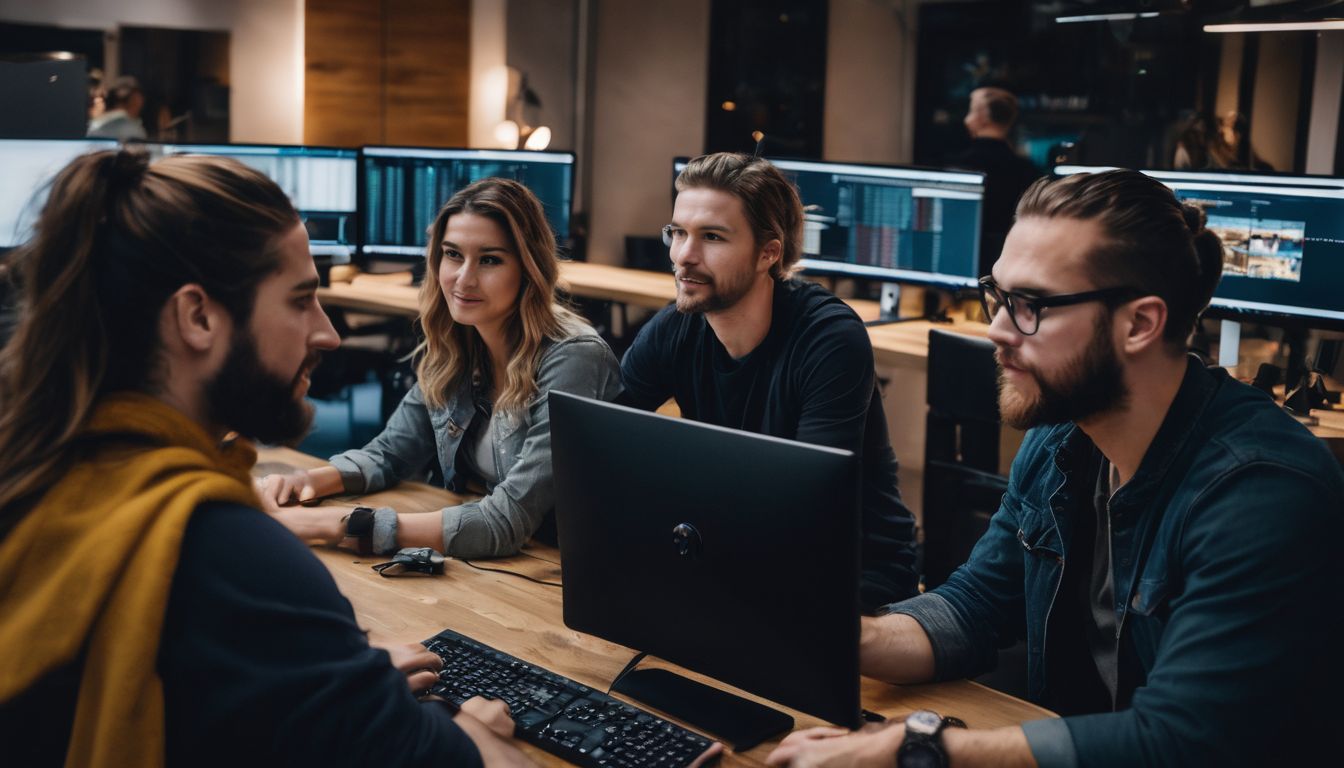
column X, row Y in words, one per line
column 359, row 526
column 923, row 743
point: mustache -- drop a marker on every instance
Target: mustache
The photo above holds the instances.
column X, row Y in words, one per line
column 683, row 274
column 309, row 363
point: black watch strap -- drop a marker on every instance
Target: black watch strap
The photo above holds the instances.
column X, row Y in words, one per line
column 922, row 746
column 359, row 526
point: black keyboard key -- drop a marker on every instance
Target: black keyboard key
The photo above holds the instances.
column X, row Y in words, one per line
column 559, row 715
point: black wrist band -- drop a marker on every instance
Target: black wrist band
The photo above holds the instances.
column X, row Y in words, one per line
column 359, row 526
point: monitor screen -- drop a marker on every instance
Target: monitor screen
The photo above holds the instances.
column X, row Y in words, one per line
column 28, row 166
column 891, row 223
column 1283, row 239
column 320, row 181
column 653, row 558
column 403, row 189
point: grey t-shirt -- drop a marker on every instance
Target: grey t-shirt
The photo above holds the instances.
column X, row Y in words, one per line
column 1101, row 629
column 478, row 447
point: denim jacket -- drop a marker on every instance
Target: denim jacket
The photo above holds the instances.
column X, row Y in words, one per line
column 1225, row 594
column 501, row 522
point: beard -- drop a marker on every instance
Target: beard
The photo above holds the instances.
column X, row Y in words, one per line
column 1090, row 384
column 254, row 402
column 719, row 294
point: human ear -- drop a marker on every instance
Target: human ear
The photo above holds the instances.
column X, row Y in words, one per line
column 771, row 253
column 191, row 318
column 1146, row 323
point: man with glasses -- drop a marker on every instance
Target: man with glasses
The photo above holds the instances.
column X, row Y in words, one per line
column 748, row 347
column 1165, row 542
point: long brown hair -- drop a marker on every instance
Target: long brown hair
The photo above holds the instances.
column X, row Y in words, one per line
column 449, row 350
column 115, row 239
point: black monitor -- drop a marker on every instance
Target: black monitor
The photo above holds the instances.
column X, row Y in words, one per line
column 1283, row 241
column 320, row 181
column 729, row 553
column 891, row 223
column 402, row 188
column 27, row 167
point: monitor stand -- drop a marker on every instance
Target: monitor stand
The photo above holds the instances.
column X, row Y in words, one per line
column 890, row 305
column 741, row 723
column 1229, row 344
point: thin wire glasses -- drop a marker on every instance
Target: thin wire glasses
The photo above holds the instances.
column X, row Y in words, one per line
column 1025, row 311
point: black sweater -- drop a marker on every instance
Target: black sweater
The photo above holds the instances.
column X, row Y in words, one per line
column 812, row 380
column 262, row 663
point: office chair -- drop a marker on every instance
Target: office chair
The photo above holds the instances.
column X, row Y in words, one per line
column 962, row 484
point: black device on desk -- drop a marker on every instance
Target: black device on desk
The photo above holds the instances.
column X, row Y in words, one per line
column 729, row 553
column 559, row 715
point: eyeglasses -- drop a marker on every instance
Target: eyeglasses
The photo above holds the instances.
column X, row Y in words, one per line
column 1025, row 311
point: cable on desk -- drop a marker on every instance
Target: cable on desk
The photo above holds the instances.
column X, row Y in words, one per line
column 511, row 573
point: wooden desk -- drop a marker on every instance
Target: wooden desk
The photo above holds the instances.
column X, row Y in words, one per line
column 902, row 345
column 524, row 619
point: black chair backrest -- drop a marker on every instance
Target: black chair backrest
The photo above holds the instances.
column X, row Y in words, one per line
column 963, row 394
column 962, row 484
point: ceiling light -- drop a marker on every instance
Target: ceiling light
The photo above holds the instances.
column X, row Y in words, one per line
column 1277, row 26
column 1107, row 17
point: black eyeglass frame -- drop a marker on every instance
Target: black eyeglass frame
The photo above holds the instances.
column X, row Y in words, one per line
column 1037, row 303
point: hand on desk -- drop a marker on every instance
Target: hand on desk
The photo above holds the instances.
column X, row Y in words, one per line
column 314, row 525
column 873, row 745
column 488, row 725
column 299, row 486
column 420, row 665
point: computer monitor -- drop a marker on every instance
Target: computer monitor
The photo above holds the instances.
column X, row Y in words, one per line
column 402, row 188
column 729, row 553
column 27, row 167
column 1283, row 241
column 320, row 181
column 890, row 223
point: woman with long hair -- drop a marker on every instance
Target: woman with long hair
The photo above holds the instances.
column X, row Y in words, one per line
column 495, row 343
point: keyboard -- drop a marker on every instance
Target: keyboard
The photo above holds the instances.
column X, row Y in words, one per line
column 563, row 717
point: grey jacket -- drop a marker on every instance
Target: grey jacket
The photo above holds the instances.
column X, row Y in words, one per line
column 501, row 522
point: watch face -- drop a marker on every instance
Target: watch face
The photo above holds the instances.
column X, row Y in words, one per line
column 923, row 722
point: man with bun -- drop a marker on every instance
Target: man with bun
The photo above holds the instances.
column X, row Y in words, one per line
column 1165, row 542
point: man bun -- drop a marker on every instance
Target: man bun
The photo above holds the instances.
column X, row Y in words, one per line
column 1208, row 249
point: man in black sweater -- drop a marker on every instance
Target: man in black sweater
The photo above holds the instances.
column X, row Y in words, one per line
column 748, row 347
column 989, row 120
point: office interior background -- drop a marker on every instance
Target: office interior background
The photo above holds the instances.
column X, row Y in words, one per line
column 628, row 85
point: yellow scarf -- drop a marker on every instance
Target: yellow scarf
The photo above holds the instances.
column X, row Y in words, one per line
column 85, row 575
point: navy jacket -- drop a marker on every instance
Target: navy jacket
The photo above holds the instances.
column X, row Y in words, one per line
column 1226, row 596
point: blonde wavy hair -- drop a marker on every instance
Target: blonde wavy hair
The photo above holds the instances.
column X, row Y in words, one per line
column 450, row 350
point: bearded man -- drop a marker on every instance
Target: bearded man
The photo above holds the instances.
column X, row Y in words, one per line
column 1165, row 543
column 748, row 347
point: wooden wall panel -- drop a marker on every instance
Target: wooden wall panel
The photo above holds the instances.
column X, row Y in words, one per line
column 386, row 72
column 428, row 65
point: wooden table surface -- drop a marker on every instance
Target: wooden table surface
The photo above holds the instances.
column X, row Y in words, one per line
column 902, row 345
column 523, row 618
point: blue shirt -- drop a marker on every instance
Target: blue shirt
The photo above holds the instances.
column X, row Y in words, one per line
column 1226, row 594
